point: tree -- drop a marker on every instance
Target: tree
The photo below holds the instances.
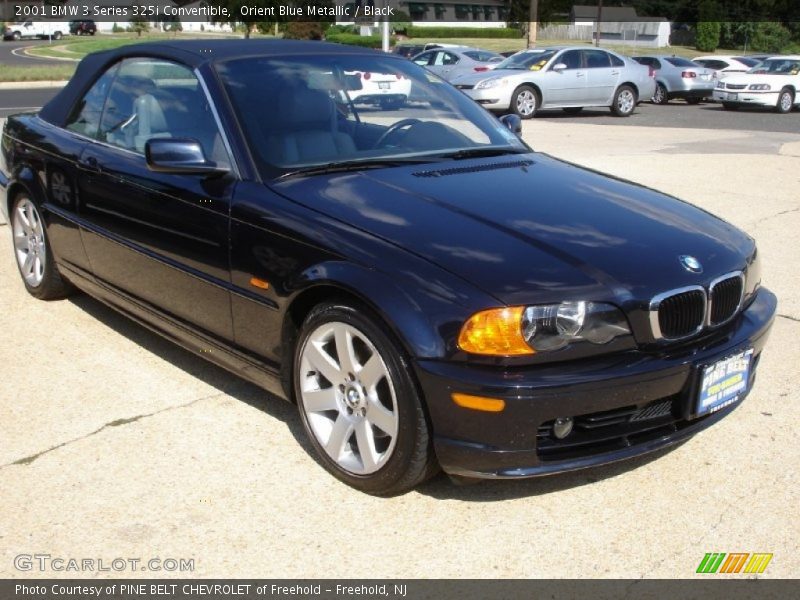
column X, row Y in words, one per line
column 771, row 37
column 139, row 25
column 707, row 39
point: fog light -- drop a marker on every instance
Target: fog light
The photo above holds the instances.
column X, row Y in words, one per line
column 562, row 427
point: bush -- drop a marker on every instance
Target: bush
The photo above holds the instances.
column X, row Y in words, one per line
column 335, row 29
column 707, row 38
column 366, row 41
column 465, row 32
column 770, row 37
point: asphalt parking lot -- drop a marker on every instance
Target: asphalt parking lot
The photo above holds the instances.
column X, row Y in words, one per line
column 119, row 444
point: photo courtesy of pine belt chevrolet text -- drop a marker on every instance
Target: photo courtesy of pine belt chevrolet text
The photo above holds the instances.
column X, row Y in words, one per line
column 430, row 291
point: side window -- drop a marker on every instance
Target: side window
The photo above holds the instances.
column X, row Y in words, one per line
column 656, row 64
column 154, row 98
column 424, row 59
column 571, row 58
column 85, row 117
column 616, row 61
column 596, row 59
column 449, row 59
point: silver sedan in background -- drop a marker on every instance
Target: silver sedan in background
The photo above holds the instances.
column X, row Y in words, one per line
column 568, row 78
column 678, row 77
column 449, row 63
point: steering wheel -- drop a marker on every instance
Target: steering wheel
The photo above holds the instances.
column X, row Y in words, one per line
column 394, row 128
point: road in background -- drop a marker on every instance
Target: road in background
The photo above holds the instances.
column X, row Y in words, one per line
column 14, row 101
column 11, row 53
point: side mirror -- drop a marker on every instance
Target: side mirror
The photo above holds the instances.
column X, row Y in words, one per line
column 513, row 122
column 176, row 155
column 559, row 67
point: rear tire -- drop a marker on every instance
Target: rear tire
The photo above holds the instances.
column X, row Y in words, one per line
column 32, row 252
column 359, row 403
column 624, row 102
column 57, row 35
column 525, row 101
column 694, row 100
column 785, row 101
column 661, row 96
column 16, row 36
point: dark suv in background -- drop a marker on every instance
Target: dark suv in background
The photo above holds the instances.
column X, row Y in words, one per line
column 82, row 27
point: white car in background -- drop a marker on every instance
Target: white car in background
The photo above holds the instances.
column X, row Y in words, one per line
column 389, row 91
column 774, row 83
column 726, row 65
column 36, row 29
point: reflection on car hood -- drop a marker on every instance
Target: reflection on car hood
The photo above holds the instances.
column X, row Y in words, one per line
column 751, row 78
column 473, row 78
column 529, row 228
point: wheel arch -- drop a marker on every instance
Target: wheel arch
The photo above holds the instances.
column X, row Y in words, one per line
column 635, row 87
column 24, row 181
column 343, row 282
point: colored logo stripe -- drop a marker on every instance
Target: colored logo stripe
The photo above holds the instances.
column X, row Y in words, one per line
column 710, row 562
column 758, row 562
column 713, row 562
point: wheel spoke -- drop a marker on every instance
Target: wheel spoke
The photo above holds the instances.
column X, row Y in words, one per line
column 23, row 218
column 21, row 242
column 323, row 363
column 27, row 266
column 320, row 400
column 344, row 350
column 381, row 418
column 372, row 372
column 38, row 267
column 341, row 432
column 365, row 439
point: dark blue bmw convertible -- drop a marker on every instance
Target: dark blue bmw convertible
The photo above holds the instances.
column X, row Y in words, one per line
column 355, row 235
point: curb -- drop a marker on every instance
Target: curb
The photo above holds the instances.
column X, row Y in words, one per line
column 31, row 85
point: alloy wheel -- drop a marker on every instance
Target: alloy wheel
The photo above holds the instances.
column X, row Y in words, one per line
column 348, row 398
column 29, row 242
column 625, row 101
column 526, row 103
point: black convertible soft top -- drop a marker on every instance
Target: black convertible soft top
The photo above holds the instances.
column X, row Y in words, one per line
column 192, row 53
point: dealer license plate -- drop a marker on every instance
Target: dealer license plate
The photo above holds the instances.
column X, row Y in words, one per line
column 724, row 382
column 733, row 96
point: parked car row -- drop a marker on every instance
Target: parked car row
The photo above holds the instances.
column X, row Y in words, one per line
column 571, row 78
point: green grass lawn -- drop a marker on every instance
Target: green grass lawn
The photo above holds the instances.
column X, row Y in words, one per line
column 37, row 72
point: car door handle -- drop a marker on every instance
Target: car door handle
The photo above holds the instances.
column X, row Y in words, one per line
column 615, row 72
column 578, row 74
column 91, row 164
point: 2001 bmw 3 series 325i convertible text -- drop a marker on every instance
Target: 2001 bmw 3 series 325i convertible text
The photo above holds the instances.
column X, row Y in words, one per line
column 427, row 289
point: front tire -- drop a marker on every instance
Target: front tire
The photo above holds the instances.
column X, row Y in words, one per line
column 730, row 106
column 661, row 96
column 694, row 100
column 624, row 101
column 32, row 252
column 358, row 402
column 16, row 36
column 57, row 35
column 785, row 101
column 525, row 101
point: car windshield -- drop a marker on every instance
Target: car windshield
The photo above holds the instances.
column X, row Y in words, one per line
column 777, row 66
column 342, row 111
column 523, row 61
column 750, row 62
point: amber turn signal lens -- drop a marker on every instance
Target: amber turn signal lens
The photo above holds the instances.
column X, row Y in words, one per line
column 495, row 332
column 479, row 402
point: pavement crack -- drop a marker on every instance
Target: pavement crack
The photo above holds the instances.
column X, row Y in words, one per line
column 777, row 214
column 789, row 317
column 115, row 423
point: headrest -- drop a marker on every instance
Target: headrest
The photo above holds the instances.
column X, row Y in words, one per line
column 304, row 107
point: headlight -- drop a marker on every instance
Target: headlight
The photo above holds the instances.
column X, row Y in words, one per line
column 721, row 85
column 520, row 330
column 491, row 83
column 760, row 86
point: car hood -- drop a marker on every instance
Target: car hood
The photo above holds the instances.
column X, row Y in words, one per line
column 750, row 78
column 530, row 228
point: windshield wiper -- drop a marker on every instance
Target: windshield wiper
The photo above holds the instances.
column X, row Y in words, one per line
column 354, row 165
column 482, row 152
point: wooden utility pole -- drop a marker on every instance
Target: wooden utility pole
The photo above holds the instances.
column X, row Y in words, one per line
column 599, row 22
column 533, row 22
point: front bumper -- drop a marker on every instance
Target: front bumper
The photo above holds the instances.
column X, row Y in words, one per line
column 629, row 403
column 746, row 97
column 496, row 98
